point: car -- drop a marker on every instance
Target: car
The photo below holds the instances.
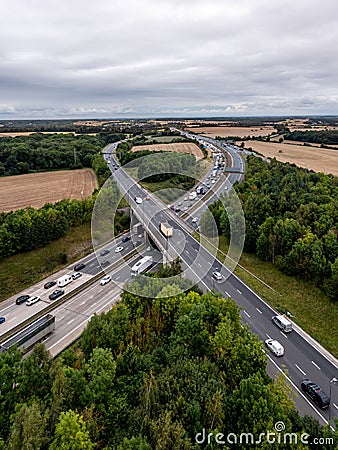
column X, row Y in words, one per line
column 275, row 347
column 194, row 220
column 217, row 275
column 147, row 198
column 49, row 284
column 213, row 182
column 22, row 299
column 177, row 209
column 316, row 394
column 76, row 275
column 185, row 199
column 119, row 249
column 105, row 262
column 56, row 294
column 79, row 266
column 104, row 252
column 179, row 204
column 32, row 300
column 185, row 208
column 136, row 243
column 2, row 319
column 138, row 200
column 105, row 280
column 125, row 239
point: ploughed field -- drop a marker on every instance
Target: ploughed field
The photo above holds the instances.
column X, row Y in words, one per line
column 36, row 189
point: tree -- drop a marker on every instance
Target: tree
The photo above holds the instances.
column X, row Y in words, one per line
column 71, row 433
column 29, row 429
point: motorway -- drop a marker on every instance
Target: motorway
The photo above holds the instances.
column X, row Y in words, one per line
column 301, row 360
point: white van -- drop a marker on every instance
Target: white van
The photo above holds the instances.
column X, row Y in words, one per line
column 63, row 281
column 283, row 323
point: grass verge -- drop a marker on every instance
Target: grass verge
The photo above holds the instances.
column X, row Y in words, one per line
column 310, row 307
column 18, row 272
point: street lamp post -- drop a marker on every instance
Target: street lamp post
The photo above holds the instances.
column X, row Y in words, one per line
column 333, row 381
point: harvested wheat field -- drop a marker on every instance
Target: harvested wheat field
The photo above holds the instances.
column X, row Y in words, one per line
column 317, row 159
column 182, row 147
column 233, row 131
column 36, row 189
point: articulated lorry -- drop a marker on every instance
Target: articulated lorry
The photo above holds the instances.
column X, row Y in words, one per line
column 166, row 229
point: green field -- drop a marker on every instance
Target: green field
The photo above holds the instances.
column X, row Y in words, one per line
column 18, row 272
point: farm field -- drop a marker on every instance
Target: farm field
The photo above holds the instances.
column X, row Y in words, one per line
column 232, row 131
column 184, row 147
column 36, row 189
column 317, row 159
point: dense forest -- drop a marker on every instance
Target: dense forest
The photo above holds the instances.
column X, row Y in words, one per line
column 150, row 374
column 43, row 152
column 317, row 137
column 291, row 219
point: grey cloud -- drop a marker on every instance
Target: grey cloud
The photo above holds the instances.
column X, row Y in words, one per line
column 220, row 57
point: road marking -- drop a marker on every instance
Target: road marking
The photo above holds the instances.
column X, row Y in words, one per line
column 260, row 312
column 248, row 315
column 10, row 320
column 300, row 370
column 199, row 265
column 238, row 291
column 94, row 304
column 187, row 252
column 100, row 290
column 117, row 278
column 7, row 308
column 83, row 302
column 70, row 321
column 284, row 334
column 335, row 405
column 62, row 317
column 90, row 265
column 227, row 293
column 316, row 365
column 269, row 337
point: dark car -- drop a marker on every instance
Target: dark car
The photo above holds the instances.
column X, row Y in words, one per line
column 49, row 284
column 105, row 262
column 22, row 299
column 125, row 239
column 79, row 266
column 56, row 294
column 315, row 393
column 105, row 252
column 2, row 320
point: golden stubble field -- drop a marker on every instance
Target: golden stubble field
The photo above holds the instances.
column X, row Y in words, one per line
column 181, row 147
column 314, row 158
column 36, row 189
column 232, row 131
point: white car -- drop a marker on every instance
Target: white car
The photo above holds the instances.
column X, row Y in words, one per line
column 275, row 347
column 194, row 220
column 138, row 200
column 32, row 300
column 118, row 249
column 105, row 280
column 213, row 182
column 217, row 275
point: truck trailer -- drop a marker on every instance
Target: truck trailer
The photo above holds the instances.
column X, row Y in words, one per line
column 141, row 266
column 166, row 229
column 63, row 281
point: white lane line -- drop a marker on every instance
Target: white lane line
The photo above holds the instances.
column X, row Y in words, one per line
column 269, row 337
column 72, row 320
column 187, row 252
column 10, row 320
column 238, row 291
column 62, row 317
column 83, row 302
column 90, row 265
column 283, row 334
column 199, row 265
column 316, row 365
column 227, row 293
column 300, row 370
column 335, row 405
column 117, row 278
column 260, row 312
column 100, row 290
column 5, row 309
column 248, row 315
column 93, row 304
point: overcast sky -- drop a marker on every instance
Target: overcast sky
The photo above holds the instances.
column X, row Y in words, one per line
column 160, row 58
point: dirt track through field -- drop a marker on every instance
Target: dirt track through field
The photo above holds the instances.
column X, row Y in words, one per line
column 183, row 147
column 36, row 189
column 314, row 158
